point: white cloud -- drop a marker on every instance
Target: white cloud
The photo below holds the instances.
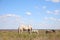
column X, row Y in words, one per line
column 9, row 15
column 55, row 23
column 55, row 1
column 52, row 19
column 55, row 12
column 12, row 15
column 49, row 12
column 28, row 13
column 44, row 7
column 6, row 17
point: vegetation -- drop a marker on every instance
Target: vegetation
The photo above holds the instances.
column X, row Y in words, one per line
column 13, row 35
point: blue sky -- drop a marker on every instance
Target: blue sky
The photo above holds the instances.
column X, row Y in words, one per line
column 41, row 14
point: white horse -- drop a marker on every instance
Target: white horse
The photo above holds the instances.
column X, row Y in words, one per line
column 35, row 31
column 25, row 28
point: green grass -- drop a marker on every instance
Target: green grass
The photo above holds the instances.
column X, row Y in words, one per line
column 12, row 35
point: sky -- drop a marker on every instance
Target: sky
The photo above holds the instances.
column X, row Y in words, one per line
column 41, row 14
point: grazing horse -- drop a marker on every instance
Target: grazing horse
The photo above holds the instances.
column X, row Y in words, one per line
column 35, row 31
column 53, row 30
column 25, row 28
column 50, row 31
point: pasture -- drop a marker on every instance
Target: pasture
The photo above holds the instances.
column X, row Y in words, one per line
column 13, row 35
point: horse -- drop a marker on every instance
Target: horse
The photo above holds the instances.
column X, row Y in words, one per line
column 35, row 31
column 25, row 28
column 50, row 31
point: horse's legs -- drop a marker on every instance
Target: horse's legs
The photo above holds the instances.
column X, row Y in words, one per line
column 29, row 31
column 21, row 31
column 18, row 31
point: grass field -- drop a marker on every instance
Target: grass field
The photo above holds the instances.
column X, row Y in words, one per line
column 13, row 35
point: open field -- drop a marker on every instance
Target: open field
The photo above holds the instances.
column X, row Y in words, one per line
column 13, row 35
